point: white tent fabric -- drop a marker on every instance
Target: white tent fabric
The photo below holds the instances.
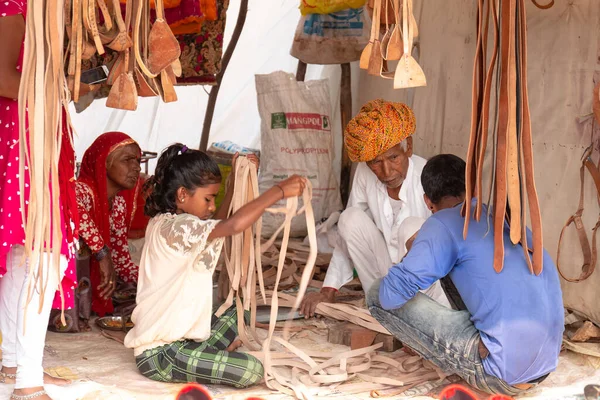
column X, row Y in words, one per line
column 563, row 66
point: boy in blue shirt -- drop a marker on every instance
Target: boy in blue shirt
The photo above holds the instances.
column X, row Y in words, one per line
column 509, row 337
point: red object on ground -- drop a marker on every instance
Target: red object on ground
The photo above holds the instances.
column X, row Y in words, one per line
column 460, row 392
column 193, row 391
column 457, row 392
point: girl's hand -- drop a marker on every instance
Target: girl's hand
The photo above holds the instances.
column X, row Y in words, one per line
column 253, row 158
column 292, row 186
column 234, row 161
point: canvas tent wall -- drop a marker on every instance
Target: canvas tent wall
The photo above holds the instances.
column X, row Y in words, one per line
column 563, row 67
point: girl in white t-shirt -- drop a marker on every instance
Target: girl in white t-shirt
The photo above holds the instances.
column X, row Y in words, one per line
column 176, row 338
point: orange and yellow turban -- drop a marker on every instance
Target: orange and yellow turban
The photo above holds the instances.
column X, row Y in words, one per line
column 379, row 126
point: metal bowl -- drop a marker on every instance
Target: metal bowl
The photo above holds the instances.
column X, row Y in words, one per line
column 113, row 323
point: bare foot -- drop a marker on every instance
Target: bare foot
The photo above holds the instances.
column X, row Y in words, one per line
column 26, row 391
column 48, row 379
column 234, row 345
column 84, row 325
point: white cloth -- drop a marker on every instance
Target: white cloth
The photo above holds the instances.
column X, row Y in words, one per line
column 174, row 292
column 370, row 195
column 367, row 249
column 25, row 349
column 408, row 228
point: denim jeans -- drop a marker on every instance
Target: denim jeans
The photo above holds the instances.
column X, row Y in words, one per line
column 443, row 336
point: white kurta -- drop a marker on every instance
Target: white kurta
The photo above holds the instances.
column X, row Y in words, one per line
column 370, row 196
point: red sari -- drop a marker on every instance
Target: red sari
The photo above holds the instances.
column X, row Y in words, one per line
column 100, row 224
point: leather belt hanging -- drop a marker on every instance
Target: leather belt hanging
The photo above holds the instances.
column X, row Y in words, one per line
column 590, row 254
column 512, row 182
column 42, row 99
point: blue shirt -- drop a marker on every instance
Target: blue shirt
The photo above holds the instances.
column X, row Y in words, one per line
column 519, row 315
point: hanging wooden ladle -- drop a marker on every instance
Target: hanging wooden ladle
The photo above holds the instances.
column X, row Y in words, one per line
column 365, row 56
column 394, row 48
column 163, row 46
column 408, row 72
column 376, row 59
column 413, row 21
column 387, row 33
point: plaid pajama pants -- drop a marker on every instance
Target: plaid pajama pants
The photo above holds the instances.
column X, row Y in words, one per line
column 203, row 362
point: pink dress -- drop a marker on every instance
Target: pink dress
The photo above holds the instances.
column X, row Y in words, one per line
column 11, row 223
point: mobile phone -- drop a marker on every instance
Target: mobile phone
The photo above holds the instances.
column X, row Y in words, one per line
column 94, row 75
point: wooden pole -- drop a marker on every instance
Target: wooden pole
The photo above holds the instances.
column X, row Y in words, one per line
column 346, row 116
column 212, row 98
column 301, row 71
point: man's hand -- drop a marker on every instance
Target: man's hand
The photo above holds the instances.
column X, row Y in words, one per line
column 108, row 277
column 311, row 300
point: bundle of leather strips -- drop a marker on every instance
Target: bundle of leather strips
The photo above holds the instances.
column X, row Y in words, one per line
column 298, row 372
column 395, row 44
column 512, row 182
column 148, row 61
column 43, row 96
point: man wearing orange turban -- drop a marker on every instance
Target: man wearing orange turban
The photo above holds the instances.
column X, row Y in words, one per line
column 386, row 190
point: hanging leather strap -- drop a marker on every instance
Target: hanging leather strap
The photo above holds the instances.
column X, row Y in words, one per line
column 543, row 6
column 589, row 253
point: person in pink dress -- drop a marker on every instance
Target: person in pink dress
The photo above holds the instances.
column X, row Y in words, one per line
column 22, row 350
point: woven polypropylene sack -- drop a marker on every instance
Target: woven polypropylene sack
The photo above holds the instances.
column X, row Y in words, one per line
column 296, row 138
column 331, row 38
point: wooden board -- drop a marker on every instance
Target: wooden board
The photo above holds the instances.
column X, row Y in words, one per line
column 358, row 337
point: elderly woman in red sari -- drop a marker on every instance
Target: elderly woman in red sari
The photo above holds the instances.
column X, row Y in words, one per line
column 107, row 190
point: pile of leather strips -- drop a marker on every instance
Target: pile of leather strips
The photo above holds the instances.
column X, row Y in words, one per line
column 396, row 44
column 148, row 62
column 43, row 98
column 294, row 371
column 512, row 182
